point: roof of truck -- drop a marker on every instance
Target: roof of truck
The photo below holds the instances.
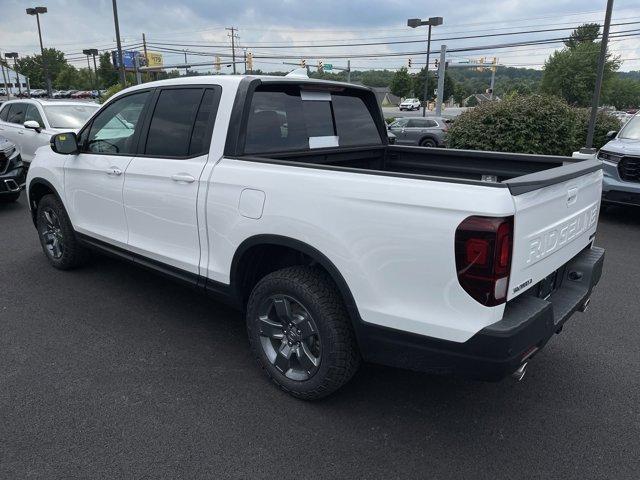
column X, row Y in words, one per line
column 234, row 81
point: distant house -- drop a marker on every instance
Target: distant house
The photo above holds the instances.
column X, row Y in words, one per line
column 479, row 98
column 385, row 97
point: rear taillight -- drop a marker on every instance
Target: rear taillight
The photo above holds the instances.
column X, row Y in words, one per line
column 483, row 249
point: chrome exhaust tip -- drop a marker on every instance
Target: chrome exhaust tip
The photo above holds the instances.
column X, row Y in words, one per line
column 520, row 372
column 12, row 185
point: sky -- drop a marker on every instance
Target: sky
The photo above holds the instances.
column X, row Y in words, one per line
column 308, row 28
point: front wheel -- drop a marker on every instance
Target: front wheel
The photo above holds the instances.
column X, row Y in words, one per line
column 57, row 236
column 300, row 332
column 428, row 142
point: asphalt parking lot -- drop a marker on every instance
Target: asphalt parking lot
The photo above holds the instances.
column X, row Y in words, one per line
column 112, row 372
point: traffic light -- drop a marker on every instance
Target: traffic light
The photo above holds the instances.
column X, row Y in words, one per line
column 249, row 61
column 495, row 64
column 320, row 65
column 481, row 63
column 409, row 63
column 303, row 63
column 216, row 64
column 436, row 62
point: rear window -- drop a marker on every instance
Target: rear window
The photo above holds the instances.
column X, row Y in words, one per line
column 16, row 113
column 4, row 112
column 283, row 119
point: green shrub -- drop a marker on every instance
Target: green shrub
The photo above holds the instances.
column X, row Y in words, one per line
column 523, row 123
column 605, row 122
column 111, row 91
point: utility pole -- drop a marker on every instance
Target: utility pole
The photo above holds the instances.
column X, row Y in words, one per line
column 493, row 77
column 4, row 79
column 441, row 73
column 136, row 64
column 245, row 61
column 596, row 92
column 431, row 22
column 95, row 70
column 233, row 36
column 186, row 64
column 348, row 71
column 123, row 78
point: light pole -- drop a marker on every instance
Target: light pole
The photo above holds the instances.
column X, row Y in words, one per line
column 14, row 55
column 123, row 78
column 37, row 11
column 432, row 22
column 92, row 52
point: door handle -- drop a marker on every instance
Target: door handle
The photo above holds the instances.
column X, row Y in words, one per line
column 115, row 171
column 20, row 132
column 183, row 177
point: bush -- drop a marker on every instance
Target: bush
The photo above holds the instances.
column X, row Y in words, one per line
column 523, row 123
column 605, row 122
column 111, row 91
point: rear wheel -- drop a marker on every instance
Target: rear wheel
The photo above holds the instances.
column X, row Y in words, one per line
column 56, row 234
column 428, row 142
column 300, row 332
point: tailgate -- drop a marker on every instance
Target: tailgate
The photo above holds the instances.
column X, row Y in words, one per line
column 555, row 219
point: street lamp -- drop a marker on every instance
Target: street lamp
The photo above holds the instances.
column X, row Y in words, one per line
column 432, row 22
column 14, row 55
column 37, row 11
column 92, row 52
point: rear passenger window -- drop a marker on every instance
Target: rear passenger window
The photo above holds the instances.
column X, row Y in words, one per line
column 282, row 120
column 4, row 112
column 17, row 113
column 173, row 121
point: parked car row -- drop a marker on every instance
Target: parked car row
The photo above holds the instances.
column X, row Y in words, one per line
column 40, row 93
column 30, row 123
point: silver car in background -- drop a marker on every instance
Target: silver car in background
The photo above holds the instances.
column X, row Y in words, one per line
column 621, row 165
column 420, row 131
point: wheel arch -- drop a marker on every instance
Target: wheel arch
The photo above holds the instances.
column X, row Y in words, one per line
column 38, row 188
column 428, row 136
column 243, row 255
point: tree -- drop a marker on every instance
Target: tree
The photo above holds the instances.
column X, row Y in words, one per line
column 587, row 33
column 401, row 83
column 571, row 72
column 623, row 93
column 418, row 85
column 107, row 74
column 31, row 66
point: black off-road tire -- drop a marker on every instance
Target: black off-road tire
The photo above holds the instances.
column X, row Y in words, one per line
column 428, row 142
column 316, row 292
column 73, row 253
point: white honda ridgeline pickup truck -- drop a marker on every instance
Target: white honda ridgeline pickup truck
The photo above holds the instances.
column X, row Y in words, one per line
column 282, row 196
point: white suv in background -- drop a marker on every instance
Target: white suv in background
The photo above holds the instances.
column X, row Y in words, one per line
column 30, row 123
column 410, row 104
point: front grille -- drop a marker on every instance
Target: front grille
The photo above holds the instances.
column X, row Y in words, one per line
column 629, row 169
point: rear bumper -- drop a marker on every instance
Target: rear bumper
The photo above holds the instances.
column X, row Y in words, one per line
column 499, row 349
column 13, row 180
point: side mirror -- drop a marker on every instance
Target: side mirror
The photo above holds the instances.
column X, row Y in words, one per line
column 33, row 125
column 64, row 143
column 612, row 134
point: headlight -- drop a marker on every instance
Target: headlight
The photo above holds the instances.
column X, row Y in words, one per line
column 609, row 157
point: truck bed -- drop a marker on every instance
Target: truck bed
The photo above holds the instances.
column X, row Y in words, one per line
column 519, row 172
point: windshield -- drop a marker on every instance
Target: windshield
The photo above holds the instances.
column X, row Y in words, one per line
column 631, row 130
column 69, row 116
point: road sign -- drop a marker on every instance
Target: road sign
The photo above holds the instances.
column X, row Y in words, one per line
column 327, row 66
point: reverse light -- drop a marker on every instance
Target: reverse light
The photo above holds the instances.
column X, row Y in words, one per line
column 483, row 249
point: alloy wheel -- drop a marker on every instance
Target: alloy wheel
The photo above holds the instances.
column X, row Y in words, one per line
column 289, row 337
column 52, row 234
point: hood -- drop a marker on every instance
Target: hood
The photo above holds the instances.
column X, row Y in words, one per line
column 623, row 146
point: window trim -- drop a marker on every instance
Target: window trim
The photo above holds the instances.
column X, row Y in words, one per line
column 144, row 133
column 89, row 124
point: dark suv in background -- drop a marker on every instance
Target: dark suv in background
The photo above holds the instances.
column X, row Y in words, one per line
column 420, row 131
column 13, row 172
